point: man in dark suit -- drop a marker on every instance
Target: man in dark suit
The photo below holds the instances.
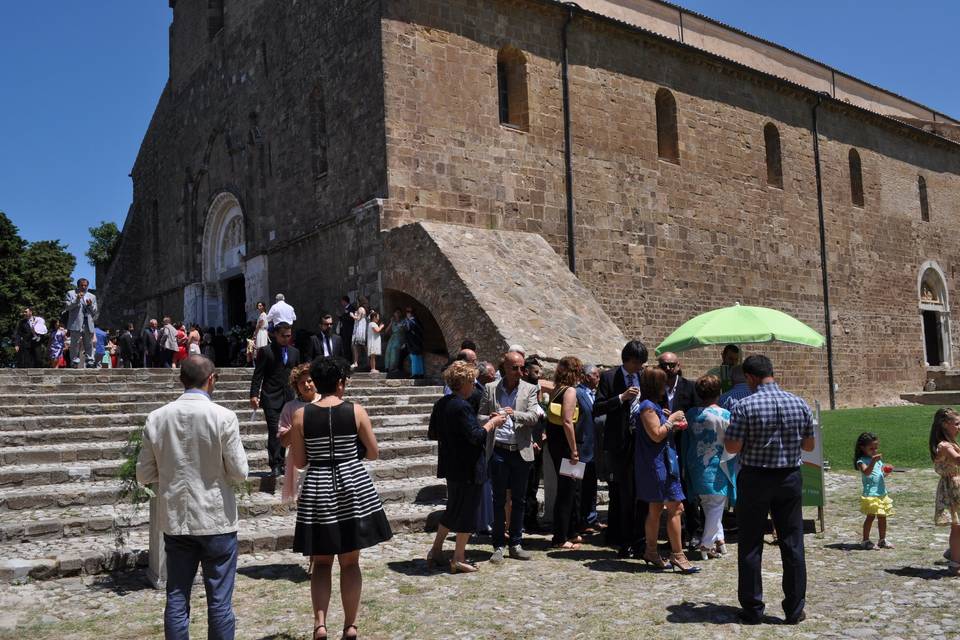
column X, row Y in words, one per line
column 346, row 326
column 151, row 344
column 270, row 387
column 127, row 347
column 221, row 349
column 617, row 390
column 682, row 396
column 326, row 343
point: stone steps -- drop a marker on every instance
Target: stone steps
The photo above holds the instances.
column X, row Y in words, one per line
column 91, row 519
column 72, row 445
column 63, row 437
column 933, row 397
column 133, row 421
column 69, row 453
column 47, row 559
column 225, row 398
column 397, row 460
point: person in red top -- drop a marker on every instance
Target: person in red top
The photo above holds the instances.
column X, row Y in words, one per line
column 181, row 353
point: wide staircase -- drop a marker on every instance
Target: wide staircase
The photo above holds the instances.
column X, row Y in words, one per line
column 63, row 439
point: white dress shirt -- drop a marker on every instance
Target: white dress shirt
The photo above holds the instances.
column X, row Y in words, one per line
column 281, row 312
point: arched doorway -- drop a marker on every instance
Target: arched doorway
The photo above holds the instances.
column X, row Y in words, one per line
column 935, row 314
column 435, row 353
column 232, row 282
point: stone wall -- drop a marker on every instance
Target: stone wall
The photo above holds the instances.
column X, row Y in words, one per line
column 659, row 242
column 240, row 115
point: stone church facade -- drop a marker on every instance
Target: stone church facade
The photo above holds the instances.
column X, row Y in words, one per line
column 460, row 156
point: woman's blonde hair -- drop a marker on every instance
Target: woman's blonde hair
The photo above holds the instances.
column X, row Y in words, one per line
column 459, row 373
column 296, row 373
column 568, row 372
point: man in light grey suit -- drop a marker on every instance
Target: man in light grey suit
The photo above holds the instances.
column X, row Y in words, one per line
column 82, row 312
column 510, row 450
column 193, row 452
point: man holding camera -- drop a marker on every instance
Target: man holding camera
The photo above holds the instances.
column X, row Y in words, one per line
column 82, row 311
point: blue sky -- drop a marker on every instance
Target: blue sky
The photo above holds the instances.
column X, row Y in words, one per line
column 79, row 81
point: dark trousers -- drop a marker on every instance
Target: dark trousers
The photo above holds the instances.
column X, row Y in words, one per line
column 692, row 512
column 566, row 506
column 274, row 448
column 778, row 492
column 588, row 496
column 508, row 471
column 217, row 555
column 30, row 355
column 630, row 513
column 167, row 358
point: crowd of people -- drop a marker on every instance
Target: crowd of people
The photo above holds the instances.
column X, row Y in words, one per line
column 675, row 454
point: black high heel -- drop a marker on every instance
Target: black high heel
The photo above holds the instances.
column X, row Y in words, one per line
column 347, row 628
column 324, row 636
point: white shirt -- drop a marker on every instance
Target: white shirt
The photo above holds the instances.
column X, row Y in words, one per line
column 505, row 432
column 281, row 312
column 672, row 391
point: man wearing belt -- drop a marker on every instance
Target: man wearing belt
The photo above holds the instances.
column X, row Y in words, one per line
column 768, row 429
column 510, row 450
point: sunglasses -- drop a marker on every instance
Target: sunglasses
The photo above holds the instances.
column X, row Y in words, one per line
column 668, row 365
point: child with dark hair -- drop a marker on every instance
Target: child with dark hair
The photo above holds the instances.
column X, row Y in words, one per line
column 874, row 501
column 945, row 453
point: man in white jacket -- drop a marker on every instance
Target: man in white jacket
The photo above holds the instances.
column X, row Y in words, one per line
column 193, row 452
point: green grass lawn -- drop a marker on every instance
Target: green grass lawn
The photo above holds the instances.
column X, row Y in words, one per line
column 903, row 432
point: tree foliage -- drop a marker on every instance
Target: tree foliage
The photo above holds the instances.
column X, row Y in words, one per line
column 103, row 240
column 34, row 274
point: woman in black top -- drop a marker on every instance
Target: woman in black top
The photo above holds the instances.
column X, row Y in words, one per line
column 462, row 461
column 339, row 511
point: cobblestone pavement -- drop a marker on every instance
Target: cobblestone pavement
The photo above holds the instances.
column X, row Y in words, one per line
column 899, row 593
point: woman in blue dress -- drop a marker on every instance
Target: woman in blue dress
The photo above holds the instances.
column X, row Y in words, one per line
column 711, row 472
column 657, row 470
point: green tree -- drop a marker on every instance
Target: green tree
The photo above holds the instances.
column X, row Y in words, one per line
column 11, row 282
column 103, row 240
column 47, row 270
column 35, row 274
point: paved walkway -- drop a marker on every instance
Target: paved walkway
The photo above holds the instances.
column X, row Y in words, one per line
column 900, row 593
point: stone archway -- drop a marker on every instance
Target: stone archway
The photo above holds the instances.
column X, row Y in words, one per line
column 934, row 306
column 232, row 282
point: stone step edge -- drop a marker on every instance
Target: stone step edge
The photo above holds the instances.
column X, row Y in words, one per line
column 20, row 570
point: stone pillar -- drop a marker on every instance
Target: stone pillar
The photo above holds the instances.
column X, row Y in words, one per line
column 157, row 567
column 257, row 284
column 193, row 310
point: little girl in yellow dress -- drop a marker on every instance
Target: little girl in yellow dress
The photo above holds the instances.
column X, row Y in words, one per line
column 874, row 501
column 945, row 453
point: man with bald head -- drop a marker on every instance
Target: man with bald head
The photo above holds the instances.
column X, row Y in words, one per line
column 510, row 450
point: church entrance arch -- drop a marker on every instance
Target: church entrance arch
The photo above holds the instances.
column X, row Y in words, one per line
column 435, row 352
column 232, row 282
column 935, row 315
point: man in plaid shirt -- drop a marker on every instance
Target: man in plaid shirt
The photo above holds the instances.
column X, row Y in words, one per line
column 768, row 429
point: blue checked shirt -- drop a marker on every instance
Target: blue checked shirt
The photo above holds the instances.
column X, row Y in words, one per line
column 770, row 423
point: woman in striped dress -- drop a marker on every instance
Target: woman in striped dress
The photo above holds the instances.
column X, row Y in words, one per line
column 339, row 511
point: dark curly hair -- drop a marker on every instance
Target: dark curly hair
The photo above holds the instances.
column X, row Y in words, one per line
column 328, row 372
column 865, row 438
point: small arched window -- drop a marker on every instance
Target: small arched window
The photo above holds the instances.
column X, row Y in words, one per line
column 318, row 131
column 512, row 88
column 856, row 179
column 771, row 139
column 214, row 17
column 924, row 201
column 668, row 142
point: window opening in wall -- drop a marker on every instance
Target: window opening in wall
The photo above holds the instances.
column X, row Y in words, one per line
column 318, row 131
column 771, row 138
column 214, row 17
column 924, row 202
column 668, row 143
column 856, row 179
column 512, row 88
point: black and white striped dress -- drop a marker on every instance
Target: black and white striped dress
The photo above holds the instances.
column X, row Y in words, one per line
column 338, row 510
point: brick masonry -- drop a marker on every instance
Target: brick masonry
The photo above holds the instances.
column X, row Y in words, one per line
column 413, row 134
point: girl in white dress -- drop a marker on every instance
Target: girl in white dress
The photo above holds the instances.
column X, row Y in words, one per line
column 261, row 339
column 359, row 338
column 373, row 339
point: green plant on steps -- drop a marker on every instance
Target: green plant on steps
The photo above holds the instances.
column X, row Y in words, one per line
column 129, row 487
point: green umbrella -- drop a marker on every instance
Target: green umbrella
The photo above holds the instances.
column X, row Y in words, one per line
column 737, row 325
